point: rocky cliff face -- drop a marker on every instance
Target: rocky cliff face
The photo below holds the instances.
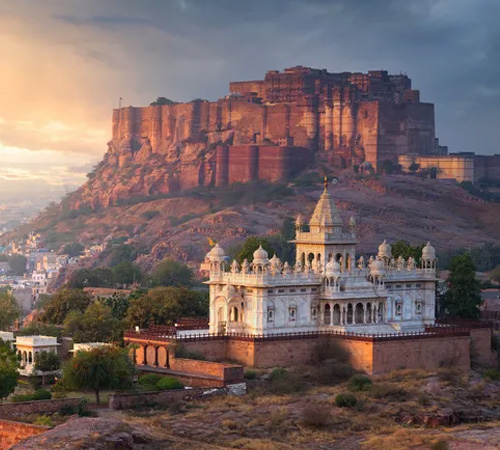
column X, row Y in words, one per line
column 131, row 169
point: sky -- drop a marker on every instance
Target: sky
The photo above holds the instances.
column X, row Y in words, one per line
column 64, row 64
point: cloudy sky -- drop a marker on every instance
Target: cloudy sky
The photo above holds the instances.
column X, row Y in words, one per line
column 64, row 64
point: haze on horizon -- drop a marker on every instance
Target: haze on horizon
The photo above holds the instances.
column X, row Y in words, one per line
column 65, row 64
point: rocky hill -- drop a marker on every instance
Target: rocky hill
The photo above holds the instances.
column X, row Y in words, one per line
column 392, row 207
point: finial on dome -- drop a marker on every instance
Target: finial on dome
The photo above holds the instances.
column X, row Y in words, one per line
column 325, row 182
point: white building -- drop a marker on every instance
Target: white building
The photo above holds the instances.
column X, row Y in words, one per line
column 28, row 346
column 326, row 289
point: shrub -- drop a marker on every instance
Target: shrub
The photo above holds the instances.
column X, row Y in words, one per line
column 67, row 410
column 169, row 383
column 42, row 394
column 331, row 371
column 316, row 415
column 44, row 420
column 59, row 394
column 283, row 382
column 149, row 381
column 278, row 373
column 250, row 374
column 359, row 383
column 346, row 400
column 148, row 215
column 492, row 374
column 82, row 409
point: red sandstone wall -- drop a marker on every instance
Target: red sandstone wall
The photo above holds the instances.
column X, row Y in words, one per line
column 36, row 407
column 481, row 352
column 429, row 353
column 13, row 432
column 368, row 128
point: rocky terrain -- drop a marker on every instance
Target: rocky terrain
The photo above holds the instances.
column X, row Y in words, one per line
column 405, row 410
column 388, row 207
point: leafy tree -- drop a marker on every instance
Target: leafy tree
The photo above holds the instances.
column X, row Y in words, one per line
column 119, row 303
column 118, row 253
column 413, row 167
column 166, row 305
column 95, row 324
column 100, row 368
column 389, row 167
column 10, row 310
column 64, row 301
column 46, row 362
column 162, row 101
column 463, row 297
column 251, row 244
column 8, row 370
column 37, row 328
column 73, row 249
column 17, row 265
column 405, row 249
column 127, row 273
column 98, row 277
column 172, row 273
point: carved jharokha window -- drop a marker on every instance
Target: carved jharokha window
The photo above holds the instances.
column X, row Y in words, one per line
column 270, row 314
column 314, row 313
column 418, row 308
column 292, row 312
column 399, row 308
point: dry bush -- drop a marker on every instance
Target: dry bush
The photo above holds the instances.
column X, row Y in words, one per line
column 332, row 371
column 277, row 418
column 317, row 414
column 359, row 382
column 452, row 376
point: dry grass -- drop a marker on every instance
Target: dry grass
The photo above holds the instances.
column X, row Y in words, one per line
column 403, row 439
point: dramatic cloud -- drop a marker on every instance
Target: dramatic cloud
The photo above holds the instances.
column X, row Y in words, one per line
column 65, row 63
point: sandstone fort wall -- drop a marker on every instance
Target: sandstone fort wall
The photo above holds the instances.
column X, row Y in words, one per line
column 13, row 432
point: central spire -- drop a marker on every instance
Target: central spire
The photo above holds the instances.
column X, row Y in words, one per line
column 326, row 213
column 325, row 182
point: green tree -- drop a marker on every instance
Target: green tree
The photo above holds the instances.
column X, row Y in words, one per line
column 119, row 303
column 8, row 370
column 37, row 328
column 46, row 362
column 97, row 277
column 127, row 273
column 10, row 310
column 160, row 306
column 64, row 301
column 73, row 249
column 166, row 305
column 162, row 101
column 17, row 265
column 413, row 167
column 172, row 273
column 463, row 297
column 100, row 368
column 95, row 324
column 405, row 249
column 118, row 253
column 251, row 244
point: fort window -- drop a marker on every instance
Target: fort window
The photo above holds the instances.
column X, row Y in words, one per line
column 336, row 315
column 359, row 313
column 314, row 290
column 398, row 286
column 408, row 285
column 303, row 290
column 270, row 314
column 350, row 314
column 249, row 290
column 292, row 314
column 281, row 290
column 418, row 285
column 292, row 290
column 270, row 291
column 314, row 313
column 399, row 308
column 418, row 308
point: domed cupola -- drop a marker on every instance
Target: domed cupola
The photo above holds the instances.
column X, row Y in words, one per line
column 216, row 252
column 428, row 252
column 377, row 270
column 260, row 256
column 429, row 257
column 333, row 269
column 384, row 251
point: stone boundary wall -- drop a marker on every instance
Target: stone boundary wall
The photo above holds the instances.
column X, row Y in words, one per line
column 12, row 432
column 36, row 407
column 229, row 373
column 137, row 399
